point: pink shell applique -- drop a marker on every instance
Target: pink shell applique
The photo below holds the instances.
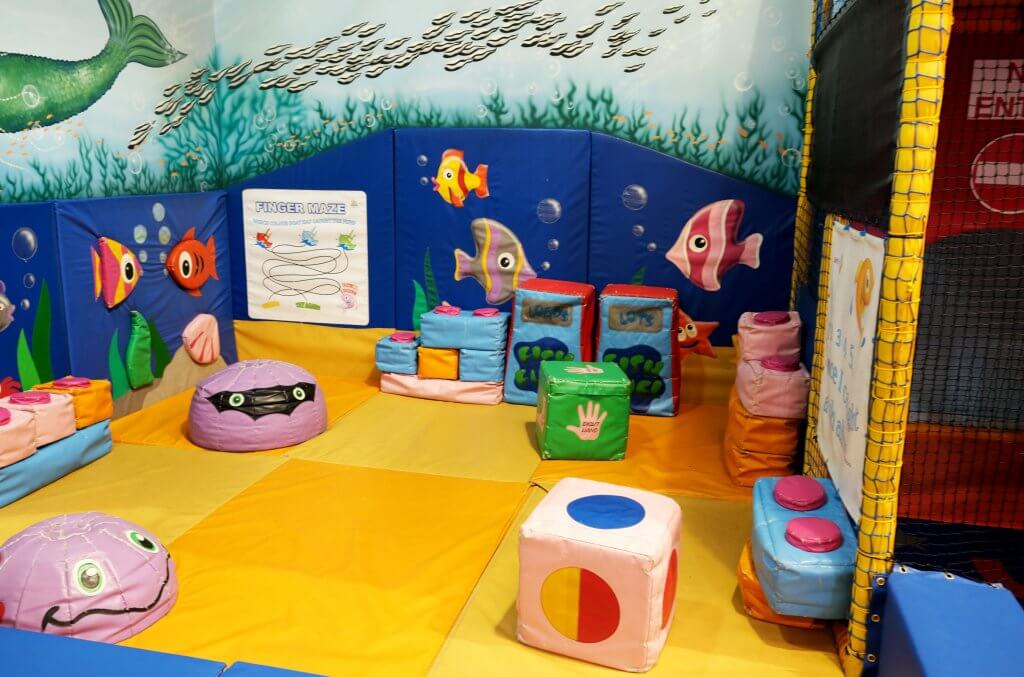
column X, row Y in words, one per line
column 201, row 339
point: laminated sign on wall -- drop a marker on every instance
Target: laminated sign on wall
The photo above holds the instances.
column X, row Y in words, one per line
column 306, row 257
column 856, row 274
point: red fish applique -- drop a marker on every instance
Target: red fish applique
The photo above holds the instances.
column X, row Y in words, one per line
column 191, row 263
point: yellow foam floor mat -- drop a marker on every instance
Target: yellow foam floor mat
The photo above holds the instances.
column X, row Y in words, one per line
column 165, row 423
column 710, row 635
column 437, row 438
column 167, row 491
column 671, row 455
column 333, row 569
column 328, row 352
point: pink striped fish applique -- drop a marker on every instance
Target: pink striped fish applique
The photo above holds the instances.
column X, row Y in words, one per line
column 708, row 247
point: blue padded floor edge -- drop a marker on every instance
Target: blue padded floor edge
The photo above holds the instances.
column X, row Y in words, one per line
column 252, row 670
column 53, row 461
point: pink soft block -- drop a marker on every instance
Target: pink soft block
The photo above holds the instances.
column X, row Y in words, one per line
column 54, row 413
column 621, row 544
column 17, row 436
column 201, row 339
column 769, row 333
column 813, row 534
column 773, row 388
column 465, row 392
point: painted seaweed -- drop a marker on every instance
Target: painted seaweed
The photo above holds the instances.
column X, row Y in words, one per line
column 27, row 371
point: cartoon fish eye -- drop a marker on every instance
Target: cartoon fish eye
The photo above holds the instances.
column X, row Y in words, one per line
column 186, row 265
column 691, row 330
column 698, row 243
column 141, row 541
column 89, row 577
column 449, row 174
column 128, row 271
column 299, row 393
column 506, row 262
column 236, row 399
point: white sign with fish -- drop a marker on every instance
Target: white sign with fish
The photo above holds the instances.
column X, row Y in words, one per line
column 855, row 280
column 306, row 256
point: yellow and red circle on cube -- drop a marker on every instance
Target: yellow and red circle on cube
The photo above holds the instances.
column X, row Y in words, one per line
column 580, row 604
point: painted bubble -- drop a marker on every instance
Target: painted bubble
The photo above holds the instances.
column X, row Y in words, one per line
column 270, row 114
column 202, row 164
column 778, row 44
column 481, row 111
column 140, row 233
column 260, row 121
column 743, row 82
column 570, row 105
column 281, row 127
column 164, row 235
column 422, row 160
column 553, row 69
column 369, row 120
column 553, row 245
column 29, row 280
column 25, row 304
column 791, row 157
column 386, row 103
column 290, row 145
column 366, row 94
column 203, row 186
column 424, row 181
column 638, row 230
column 531, row 88
column 772, row 16
column 545, row 265
column 159, row 212
column 652, row 246
column 489, row 87
column 30, row 96
column 143, row 255
column 134, row 164
column 750, row 124
column 799, row 82
column 784, row 109
column 634, row 197
column 556, row 97
column 24, row 243
column 163, row 258
column 549, row 210
column 792, row 57
column 268, row 146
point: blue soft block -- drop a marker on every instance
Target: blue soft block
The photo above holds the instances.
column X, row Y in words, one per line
column 934, row 626
column 397, row 358
column 253, row 670
column 42, row 655
column 796, row 582
column 464, row 331
column 654, row 346
column 482, row 365
column 54, row 461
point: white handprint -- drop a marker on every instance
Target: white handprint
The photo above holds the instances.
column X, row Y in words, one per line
column 589, row 369
column 590, row 422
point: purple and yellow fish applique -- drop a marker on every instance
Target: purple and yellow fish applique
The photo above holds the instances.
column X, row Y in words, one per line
column 500, row 263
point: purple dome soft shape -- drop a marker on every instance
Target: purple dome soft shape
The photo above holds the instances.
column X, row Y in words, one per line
column 256, row 405
column 86, row 575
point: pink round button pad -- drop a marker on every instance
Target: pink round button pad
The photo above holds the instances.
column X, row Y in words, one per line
column 447, row 310
column 771, row 318
column 813, row 534
column 30, row 397
column 485, row 312
column 403, row 337
column 72, row 382
column 800, row 493
column 5, row 416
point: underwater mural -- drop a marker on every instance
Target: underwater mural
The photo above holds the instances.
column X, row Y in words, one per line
column 201, row 94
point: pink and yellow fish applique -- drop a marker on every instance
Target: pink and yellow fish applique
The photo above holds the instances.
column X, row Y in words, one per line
column 115, row 271
column 454, row 182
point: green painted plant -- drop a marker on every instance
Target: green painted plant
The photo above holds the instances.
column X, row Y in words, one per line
column 118, row 372
column 27, row 371
column 41, row 335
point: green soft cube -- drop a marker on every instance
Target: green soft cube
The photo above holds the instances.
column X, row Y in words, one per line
column 582, row 411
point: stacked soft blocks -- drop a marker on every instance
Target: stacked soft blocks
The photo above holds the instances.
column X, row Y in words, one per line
column 459, row 356
column 769, row 400
column 598, row 566
column 638, row 331
column 551, row 320
column 582, row 411
column 50, row 431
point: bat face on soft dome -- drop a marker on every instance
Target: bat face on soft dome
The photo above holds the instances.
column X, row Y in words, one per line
column 258, row 402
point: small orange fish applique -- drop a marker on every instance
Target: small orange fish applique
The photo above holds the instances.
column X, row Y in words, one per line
column 454, row 182
column 191, row 263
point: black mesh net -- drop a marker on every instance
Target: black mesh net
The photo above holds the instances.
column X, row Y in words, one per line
column 961, row 499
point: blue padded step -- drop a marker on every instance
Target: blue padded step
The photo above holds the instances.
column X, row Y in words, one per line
column 797, row 582
column 936, row 625
column 53, row 461
column 41, row 655
column 464, row 331
column 253, row 670
column 397, row 358
column 487, row 366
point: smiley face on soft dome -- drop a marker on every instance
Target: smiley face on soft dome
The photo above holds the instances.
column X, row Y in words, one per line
column 86, row 575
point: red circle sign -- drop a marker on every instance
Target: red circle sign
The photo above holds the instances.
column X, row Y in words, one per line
column 997, row 175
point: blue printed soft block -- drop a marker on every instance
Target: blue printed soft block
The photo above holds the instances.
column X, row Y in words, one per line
column 464, row 331
column 397, row 358
column 796, row 582
column 482, row 365
column 53, row 461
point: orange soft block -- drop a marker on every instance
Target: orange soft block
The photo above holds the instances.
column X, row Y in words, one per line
column 439, row 363
column 754, row 601
column 757, row 446
column 92, row 399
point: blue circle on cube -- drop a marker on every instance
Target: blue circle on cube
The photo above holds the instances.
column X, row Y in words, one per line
column 605, row 511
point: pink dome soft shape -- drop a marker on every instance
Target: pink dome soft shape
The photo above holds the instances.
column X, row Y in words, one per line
column 86, row 575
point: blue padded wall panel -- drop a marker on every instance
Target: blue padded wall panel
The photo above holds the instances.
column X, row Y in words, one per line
column 366, row 165
column 29, row 257
column 150, row 226
column 642, row 199
column 539, row 189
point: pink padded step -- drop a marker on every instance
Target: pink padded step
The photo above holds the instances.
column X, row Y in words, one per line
column 772, row 332
column 776, row 386
column 17, row 436
column 54, row 413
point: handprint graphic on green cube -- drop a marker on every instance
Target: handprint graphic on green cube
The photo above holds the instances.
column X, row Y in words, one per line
column 582, row 411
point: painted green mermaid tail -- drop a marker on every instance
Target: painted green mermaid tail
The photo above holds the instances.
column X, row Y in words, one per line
column 39, row 91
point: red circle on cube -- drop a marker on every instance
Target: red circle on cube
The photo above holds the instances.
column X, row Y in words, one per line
column 669, row 598
column 813, row 534
column 800, row 493
column 580, row 605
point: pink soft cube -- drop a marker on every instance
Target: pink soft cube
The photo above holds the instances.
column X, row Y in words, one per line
column 773, row 332
column 776, row 387
column 17, row 436
column 598, row 565
column 54, row 413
